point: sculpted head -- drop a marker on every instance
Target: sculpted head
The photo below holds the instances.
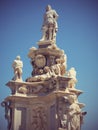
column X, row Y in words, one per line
column 18, row 58
column 46, row 69
column 58, row 61
column 48, row 7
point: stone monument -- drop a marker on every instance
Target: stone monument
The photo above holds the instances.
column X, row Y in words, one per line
column 48, row 100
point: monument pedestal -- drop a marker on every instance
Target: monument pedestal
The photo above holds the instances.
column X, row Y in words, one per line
column 32, row 108
column 38, row 105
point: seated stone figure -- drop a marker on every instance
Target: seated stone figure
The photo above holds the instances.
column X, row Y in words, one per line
column 41, row 77
column 17, row 66
column 55, row 69
column 59, row 68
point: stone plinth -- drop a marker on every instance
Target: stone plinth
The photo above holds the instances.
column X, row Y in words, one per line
column 38, row 105
column 40, row 87
column 34, row 112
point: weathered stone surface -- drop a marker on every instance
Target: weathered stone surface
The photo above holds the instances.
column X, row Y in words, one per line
column 17, row 66
column 48, row 100
column 50, row 26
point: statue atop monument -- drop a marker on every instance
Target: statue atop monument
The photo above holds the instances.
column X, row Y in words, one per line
column 17, row 66
column 72, row 74
column 50, row 26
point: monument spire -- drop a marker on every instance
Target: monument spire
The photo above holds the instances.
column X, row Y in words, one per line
column 48, row 99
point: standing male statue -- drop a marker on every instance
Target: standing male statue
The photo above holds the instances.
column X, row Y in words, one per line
column 17, row 66
column 73, row 114
column 72, row 75
column 50, row 26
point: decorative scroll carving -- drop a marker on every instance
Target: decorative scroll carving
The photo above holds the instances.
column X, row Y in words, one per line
column 23, row 90
column 8, row 113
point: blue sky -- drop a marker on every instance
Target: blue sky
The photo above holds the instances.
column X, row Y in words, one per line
column 20, row 29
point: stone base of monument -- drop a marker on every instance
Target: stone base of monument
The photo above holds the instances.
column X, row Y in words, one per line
column 37, row 105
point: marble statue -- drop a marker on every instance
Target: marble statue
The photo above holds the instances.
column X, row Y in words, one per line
column 56, row 68
column 72, row 75
column 59, row 68
column 73, row 114
column 50, row 26
column 63, row 65
column 17, row 66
